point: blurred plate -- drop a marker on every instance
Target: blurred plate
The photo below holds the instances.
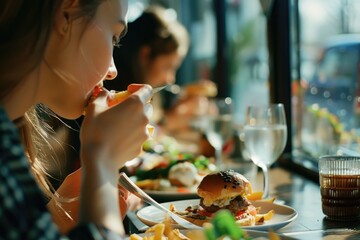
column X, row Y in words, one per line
column 251, row 233
column 170, row 193
column 166, row 195
column 283, row 214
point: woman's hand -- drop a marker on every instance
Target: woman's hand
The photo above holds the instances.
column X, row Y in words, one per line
column 65, row 212
column 109, row 137
column 115, row 135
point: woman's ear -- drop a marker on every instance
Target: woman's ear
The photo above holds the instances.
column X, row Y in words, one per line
column 63, row 17
column 144, row 54
column 66, row 23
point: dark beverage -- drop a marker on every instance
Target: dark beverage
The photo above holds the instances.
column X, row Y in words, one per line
column 340, row 196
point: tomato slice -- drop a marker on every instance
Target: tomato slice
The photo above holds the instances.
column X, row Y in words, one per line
column 203, row 212
column 162, row 165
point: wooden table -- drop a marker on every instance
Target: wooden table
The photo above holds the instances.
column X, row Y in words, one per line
column 304, row 196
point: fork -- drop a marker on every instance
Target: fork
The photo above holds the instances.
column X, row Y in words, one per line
column 126, row 182
column 158, row 89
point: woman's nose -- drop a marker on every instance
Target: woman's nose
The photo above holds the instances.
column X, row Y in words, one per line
column 112, row 71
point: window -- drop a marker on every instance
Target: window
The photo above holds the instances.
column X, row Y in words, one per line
column 248, row 55
column 304, row 53
column 326, row 87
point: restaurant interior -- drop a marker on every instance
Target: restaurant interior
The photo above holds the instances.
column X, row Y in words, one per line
column 303, row 54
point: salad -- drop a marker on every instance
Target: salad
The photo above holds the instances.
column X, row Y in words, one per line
column 162, row 166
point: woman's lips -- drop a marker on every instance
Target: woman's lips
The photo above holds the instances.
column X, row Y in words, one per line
column 96, row 91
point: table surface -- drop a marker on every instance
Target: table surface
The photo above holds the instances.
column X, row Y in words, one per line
column 301, row 194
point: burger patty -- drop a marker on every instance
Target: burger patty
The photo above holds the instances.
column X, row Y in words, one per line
column 237, row 204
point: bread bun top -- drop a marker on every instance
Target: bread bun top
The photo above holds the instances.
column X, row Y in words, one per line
column 204, row 88
column 223, row 185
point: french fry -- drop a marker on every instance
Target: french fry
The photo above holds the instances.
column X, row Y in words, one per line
column 273, row 236
column 195, row 234
column 158, row 231
column 257, row 196
column 269, row 200
column 259, row 218
column 113, row 99
column 117, row 97
column 269, row 215
column 177, row 235
column 170, row 233
column 254, row 196
column 134, row 236
column 167, row 223
column 163, row 231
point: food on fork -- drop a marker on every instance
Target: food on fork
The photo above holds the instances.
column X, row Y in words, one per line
column 224, row 190
column 115, row 97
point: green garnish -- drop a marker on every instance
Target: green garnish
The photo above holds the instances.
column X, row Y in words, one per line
column 209, row 232
column 201, row 162
column 224, row 224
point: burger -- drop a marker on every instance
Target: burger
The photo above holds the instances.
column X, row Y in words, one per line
column 205, row 88
column 222, row 190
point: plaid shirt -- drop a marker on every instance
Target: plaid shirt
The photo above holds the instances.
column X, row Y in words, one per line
column 23, row 212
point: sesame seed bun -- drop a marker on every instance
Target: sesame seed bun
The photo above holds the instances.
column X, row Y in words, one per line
column 223, row 185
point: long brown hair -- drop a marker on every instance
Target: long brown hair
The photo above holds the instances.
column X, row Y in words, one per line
column 25, row 27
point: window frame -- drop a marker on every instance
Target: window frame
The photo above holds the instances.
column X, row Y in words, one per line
column 280, row 78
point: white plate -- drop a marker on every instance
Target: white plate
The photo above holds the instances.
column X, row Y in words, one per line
column 252, row 234
column 283, row 214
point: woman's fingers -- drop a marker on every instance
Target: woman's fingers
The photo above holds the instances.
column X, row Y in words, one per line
column 148, row 110
column 134, row 87
column 144, row 93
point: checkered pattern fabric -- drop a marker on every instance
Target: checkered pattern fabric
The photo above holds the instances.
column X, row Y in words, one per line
column 23, row 213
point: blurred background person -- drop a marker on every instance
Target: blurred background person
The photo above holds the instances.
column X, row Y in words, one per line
column 151, row 52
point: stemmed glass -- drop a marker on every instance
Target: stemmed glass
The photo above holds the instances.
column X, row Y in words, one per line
column 219, row 126
column 265, row 136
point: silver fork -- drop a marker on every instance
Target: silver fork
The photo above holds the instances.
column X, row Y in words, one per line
column 126, row 182
column 158, row 89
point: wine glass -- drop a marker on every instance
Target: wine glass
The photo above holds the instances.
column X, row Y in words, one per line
column 219, row 126
column 265, row 136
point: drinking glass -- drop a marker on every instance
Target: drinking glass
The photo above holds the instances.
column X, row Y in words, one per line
column 265, row 136
column 339, row 187
column 219, row 127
